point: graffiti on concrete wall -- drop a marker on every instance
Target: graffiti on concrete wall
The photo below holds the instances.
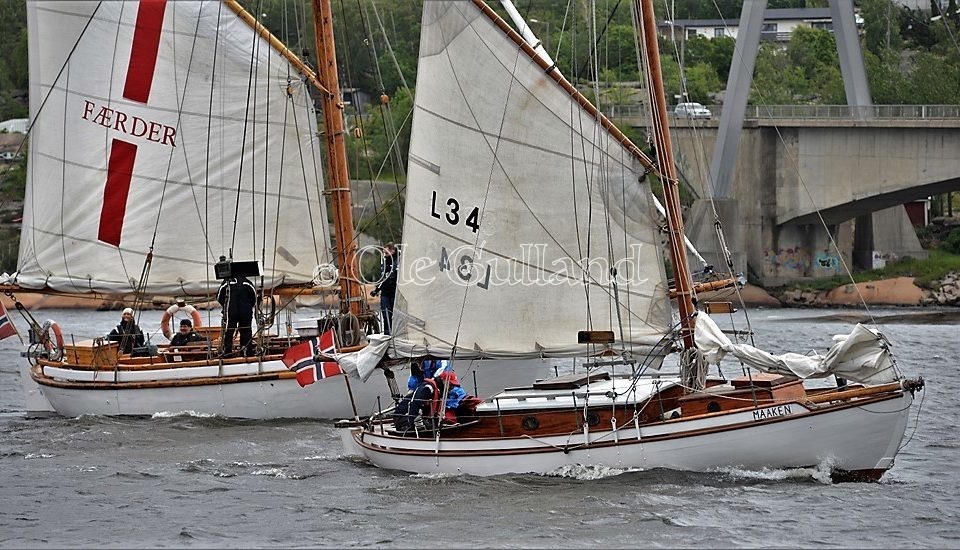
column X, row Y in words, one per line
column 826, row 264
column 786, row 262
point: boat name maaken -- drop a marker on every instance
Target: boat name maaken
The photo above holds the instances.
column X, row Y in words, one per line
column 138, row 127
column 781, row 410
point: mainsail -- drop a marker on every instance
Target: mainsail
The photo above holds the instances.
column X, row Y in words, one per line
column 526, row 220
column 165, row 126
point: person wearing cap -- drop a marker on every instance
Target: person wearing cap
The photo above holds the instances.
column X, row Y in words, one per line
column 186, row 336
column 127, row 333
column 448, row 383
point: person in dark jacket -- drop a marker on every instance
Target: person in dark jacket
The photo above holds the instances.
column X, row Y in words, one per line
column 186, row 336
column 387, row 287
column 418, row 395
column 238, row 297
column 127, row 333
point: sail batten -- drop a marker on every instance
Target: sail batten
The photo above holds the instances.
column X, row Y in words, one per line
column 192, row 142
column 526, row 220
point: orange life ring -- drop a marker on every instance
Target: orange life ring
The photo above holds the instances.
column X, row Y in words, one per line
column 169, row 313
column 54, row 353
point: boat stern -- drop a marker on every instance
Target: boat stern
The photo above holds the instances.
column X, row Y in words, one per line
column 34, row 402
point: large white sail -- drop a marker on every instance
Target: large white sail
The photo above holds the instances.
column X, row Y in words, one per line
column 519, row 205
column 171, row 125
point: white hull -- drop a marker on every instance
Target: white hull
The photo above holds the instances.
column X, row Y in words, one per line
column 200, row 390
column 860, row 438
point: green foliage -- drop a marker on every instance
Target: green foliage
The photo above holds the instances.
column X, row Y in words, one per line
column 370, row 155
column 716, row 52
column 385, row 225
column 13, row 180
column 951, row 243
column 887, row 82
column 619, row 52
column 701, row 81
column 933, row 80
column 13, row 60
column 776, row 80
column 880, row 26
column 927, row 272
column 810, row 49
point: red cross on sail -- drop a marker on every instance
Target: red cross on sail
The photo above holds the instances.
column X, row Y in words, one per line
column 140, row 70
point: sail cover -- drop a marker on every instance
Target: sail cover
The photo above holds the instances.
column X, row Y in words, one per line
column 171, row 125
column 525, row 221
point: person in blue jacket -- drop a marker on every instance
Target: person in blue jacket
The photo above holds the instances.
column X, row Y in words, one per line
column 417, row 400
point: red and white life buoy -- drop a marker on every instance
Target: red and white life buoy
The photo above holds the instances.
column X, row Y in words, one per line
column 53, row 353
column 171, row 311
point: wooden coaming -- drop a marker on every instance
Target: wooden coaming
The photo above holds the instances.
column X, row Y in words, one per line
column 742, row 393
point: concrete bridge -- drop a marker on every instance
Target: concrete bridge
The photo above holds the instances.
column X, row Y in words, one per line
column 807, row 177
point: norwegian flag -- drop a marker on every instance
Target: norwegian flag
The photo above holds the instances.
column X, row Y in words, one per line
column 300, row 359
column 6, row 327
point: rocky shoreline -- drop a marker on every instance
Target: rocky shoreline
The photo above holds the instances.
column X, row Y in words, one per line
column 900, row 291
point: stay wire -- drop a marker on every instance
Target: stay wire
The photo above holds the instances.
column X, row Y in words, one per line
column 243, row 142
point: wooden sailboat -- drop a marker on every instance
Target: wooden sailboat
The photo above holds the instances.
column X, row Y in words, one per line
column 497, row 127
column 167, row 136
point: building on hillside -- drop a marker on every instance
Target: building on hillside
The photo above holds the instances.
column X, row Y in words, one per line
column 778, row 25
column 15, row 125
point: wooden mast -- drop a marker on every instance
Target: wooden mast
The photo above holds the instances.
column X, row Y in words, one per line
column 338, row 183
column 668, row 173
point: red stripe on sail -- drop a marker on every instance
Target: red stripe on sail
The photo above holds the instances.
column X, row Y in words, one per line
column 119, row 173
column 143, row 63
column 143, row 55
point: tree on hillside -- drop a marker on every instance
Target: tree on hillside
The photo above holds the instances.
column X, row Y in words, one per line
column 776, row 79
column 716, row 52
column 880, row 25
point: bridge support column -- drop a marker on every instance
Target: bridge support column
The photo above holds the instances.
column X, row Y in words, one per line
column 703, row 234
column 885, row 236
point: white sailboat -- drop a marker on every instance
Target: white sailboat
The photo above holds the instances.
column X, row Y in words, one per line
column 166, row 136
column 507, row 156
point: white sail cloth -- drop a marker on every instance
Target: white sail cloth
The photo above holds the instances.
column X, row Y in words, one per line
column 861, row 356
column 217, row 142
column 522, row 211
column 363, row 361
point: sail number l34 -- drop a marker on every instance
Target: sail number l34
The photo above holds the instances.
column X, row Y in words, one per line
column 454, row 215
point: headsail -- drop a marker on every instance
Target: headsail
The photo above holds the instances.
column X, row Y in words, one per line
column 526, row 220
column 166, row 119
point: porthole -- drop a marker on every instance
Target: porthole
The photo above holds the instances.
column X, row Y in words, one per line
column 530, row 423
column 593, row 418
column 713, row 407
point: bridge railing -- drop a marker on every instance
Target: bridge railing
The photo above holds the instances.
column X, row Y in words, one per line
column 811, row 112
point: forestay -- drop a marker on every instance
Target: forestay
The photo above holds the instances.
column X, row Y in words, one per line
column 169, row 117
column 519, row 207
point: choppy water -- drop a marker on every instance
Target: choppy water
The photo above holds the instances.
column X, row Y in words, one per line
column 185, row 481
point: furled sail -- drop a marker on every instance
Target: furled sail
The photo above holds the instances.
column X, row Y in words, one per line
column 526, row 221
column 168, row 125
column 861, row 356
